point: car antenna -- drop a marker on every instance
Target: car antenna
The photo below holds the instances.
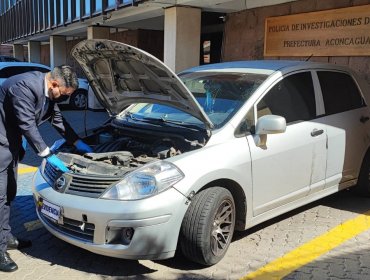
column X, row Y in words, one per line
column 308, row 58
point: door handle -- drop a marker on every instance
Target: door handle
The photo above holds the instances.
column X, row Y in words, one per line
column 364, row 119
column 316, row 132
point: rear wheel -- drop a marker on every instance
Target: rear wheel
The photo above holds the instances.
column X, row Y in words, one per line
column 78, row 99
column 208, row 226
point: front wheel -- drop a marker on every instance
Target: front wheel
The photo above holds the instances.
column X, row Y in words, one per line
column 208, row 226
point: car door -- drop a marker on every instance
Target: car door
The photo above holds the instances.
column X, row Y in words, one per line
column 294, row 162
column 347, row 124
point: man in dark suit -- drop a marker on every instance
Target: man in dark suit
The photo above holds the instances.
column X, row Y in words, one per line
column 26, row 101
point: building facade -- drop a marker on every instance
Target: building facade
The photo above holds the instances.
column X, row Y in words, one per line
column 185, row 33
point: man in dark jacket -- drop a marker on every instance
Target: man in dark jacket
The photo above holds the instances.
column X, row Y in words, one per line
column 26, row 101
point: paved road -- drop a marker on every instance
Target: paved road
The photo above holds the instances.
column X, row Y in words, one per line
column 279, row 239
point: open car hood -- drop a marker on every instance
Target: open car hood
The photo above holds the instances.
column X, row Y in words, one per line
column 121, row 75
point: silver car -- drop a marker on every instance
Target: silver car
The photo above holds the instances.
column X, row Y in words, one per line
column 186, row 160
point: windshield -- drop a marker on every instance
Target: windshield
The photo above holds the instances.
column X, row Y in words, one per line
column 219, row 94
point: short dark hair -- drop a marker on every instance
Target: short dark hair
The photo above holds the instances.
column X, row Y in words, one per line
column 66, row 74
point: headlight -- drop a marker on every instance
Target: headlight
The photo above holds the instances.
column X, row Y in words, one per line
column 147, row 181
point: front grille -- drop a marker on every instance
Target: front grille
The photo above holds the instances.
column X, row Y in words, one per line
column 89, row 185
column 80, row 184
column 72, row 228
column 51, row 172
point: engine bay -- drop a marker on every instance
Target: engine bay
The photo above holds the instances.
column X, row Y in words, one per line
column 117, row 150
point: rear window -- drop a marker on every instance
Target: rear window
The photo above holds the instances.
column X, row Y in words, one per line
column 340, row 92
column 15, row 70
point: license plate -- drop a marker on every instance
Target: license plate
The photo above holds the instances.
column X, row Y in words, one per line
column 50, row 210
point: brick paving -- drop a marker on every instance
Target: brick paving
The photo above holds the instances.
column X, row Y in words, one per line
column 51, row 258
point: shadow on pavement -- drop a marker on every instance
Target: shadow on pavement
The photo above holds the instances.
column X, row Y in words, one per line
column 345, row 200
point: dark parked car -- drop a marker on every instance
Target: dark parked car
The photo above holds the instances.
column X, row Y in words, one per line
column 7, row 58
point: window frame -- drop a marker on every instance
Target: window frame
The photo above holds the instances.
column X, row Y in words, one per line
column 318, row 106
column 242, row 130
column 319, row 89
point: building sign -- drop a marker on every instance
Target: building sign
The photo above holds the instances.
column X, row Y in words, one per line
column 340, row 32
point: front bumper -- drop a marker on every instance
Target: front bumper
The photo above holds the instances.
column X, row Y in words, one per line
column 89, row 223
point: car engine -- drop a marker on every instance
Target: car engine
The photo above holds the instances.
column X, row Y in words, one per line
column 117, row 151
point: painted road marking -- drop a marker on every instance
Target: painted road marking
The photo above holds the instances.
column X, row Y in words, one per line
column 308, row 252
column 24, row 170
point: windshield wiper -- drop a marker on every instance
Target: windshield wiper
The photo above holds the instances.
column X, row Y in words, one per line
column 164, row 121
column 131, row 116
column 161, row 121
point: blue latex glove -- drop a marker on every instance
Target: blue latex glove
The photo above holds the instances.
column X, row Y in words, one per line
column 22, row 151
column 82, row 147
column 57, row 163
column 24, row 143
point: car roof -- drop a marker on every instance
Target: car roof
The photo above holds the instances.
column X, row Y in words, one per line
column 20, row 64
column 266, row 67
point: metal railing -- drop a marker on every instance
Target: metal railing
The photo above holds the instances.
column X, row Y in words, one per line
column 24, row 18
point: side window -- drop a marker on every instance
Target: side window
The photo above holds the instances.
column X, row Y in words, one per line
column 11, row 71
column 340, row 93
column 292, row 98
column 9, row 59
column 40, row 69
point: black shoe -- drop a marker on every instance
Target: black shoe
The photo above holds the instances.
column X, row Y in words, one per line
column 14, row 243
column 6, row 263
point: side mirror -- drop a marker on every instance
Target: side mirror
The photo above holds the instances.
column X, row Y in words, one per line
column 269, row 124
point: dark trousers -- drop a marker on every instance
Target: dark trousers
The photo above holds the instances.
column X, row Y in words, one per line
column 8, row 191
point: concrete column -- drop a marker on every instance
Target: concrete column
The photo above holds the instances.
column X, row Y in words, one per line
column 98, row 32
column 18, row 52
column 182, row 37
column 34, row 51
column 58, row 53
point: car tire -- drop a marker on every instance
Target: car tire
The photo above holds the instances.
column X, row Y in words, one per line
column 78, row 100
column 208, row 226
column 363, row 182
